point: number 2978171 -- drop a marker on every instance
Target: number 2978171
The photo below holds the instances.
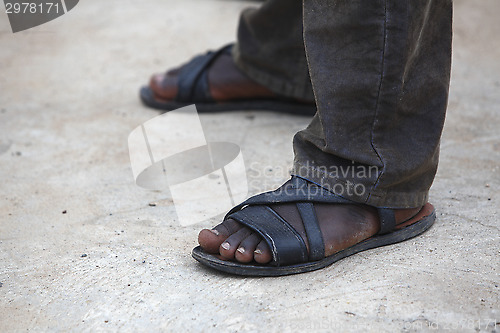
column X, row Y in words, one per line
column 32, row 8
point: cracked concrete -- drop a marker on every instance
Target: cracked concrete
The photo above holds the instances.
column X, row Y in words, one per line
column 68, row 101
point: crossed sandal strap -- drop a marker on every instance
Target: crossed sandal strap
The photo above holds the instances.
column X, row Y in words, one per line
column 311, row 225
column 193, row 77
column 313, row 231
column 287, row 246
column 298, row 189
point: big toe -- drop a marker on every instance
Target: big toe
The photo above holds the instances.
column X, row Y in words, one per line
column 211, row 239
column 164, row 86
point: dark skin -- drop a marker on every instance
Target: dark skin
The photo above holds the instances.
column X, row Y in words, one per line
column 225, row 80
column 342, row 225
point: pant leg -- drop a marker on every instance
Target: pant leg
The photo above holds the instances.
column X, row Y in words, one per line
column 380, row 71
column 270, row 48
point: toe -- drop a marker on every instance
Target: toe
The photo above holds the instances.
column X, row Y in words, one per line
column 262, row 253
column 231, row 244
column 164, row 86
column 244, row 252
column 211, row 239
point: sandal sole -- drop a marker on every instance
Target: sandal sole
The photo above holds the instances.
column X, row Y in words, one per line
column 148, row 99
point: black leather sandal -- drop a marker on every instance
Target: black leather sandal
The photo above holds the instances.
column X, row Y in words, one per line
column 290, row 255
column 193, row 89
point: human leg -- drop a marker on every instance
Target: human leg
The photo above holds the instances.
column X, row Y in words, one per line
column 380, row 73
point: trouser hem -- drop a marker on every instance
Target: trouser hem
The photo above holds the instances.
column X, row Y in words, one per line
column 278, row 86
column 359, row 191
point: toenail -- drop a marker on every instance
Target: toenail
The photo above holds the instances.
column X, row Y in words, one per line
column 241, row 250
column 257, row 251
column 215, row 232
column 226, row 246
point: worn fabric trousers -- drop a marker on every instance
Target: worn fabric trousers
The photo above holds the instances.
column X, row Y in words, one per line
column 379, row 71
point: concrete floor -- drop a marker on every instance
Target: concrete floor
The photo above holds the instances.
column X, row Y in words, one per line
column 68, row 100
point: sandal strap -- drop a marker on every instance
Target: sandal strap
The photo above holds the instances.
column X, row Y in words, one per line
column 298, row 189
column 295, row 190
column 287, row 246
column 311, row 225
column 387, row 220
column 193, row 77
column 313, row 231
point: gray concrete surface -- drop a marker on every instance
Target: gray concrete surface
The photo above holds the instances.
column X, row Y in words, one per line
column 68, row 100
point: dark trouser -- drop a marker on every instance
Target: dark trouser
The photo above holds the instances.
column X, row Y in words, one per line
column 380, row 71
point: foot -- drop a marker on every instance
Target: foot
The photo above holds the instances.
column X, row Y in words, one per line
column 342, row 226
column 226, row 82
